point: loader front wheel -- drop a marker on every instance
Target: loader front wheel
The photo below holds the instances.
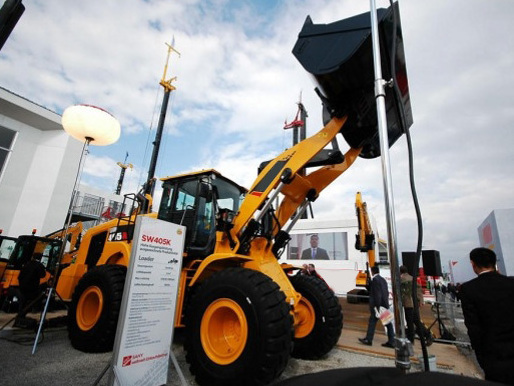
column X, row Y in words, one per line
column 95, row 307
column 239, row 329
column 319, row 319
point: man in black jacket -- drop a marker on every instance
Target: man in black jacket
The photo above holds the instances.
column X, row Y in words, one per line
column 29, row 278
column 488, row 307
column 378, row 296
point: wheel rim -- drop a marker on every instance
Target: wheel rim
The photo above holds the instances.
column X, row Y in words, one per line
column 306, row 317
column 224, row 331
column 89, row 308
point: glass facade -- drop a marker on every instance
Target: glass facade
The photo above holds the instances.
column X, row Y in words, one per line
column 7, row 137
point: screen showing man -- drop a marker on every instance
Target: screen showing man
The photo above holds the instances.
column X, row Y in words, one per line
column 315, row 252
column 318, row 246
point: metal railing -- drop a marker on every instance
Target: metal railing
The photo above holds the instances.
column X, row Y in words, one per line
column 88, row 204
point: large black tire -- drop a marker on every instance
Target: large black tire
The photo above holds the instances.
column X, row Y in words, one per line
column 238, row 329
column 92, row 327
column 321, row 318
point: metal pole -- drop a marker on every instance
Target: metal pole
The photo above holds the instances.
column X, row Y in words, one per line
column 120, row 181
column 402, row 349
column 157, row 142
column 85, row 147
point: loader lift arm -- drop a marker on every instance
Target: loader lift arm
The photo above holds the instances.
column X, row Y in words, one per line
column 282, row 175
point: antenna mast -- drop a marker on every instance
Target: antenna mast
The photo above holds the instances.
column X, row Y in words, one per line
column 123, row 167
column 168, row 88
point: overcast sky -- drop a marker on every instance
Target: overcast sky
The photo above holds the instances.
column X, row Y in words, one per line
column 237, row 82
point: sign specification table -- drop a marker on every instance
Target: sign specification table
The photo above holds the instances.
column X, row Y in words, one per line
column 145, row 326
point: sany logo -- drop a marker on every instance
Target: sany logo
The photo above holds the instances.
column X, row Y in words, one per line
column 131, row 359
column 157, row 240
column 127, row 361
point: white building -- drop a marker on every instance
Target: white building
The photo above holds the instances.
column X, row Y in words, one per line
column 38, row 165
column 496, row 232
column 337, row 238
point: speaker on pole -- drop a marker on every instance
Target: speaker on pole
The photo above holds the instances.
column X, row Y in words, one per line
column 432, row 263
column 409, row 260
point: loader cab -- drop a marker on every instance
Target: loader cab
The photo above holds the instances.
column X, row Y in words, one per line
column 195, row 200
column 27, row 246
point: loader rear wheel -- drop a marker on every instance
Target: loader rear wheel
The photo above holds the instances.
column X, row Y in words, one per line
column 95, row 307
column 238, row 329
column 319, row 318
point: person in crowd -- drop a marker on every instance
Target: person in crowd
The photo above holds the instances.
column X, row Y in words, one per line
column 408, row 301
column 488, row 307
column 315, row 252
column 452, row 291
column 28, row 279
column 304, row 270
column 312, row 271
column 378, row 296
column 457, row 291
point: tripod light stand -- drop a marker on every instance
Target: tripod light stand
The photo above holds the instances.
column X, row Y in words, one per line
column 92, row 126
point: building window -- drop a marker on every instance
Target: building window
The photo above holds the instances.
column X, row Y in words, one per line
column 6, row 142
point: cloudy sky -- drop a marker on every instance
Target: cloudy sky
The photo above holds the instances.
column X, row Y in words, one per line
column 237, row 82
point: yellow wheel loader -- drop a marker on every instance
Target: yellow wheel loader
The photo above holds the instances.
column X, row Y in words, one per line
column 48, row 248
column 244, row 315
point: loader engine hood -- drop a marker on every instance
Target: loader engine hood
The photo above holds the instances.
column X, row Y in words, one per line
column 340, row 58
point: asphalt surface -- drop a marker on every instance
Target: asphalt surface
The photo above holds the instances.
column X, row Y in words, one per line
column 56, row 362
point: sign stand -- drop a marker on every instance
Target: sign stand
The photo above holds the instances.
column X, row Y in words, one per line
column 142, row 348
column 177, row 367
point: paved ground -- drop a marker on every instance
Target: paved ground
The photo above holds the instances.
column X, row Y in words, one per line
column 56, row 363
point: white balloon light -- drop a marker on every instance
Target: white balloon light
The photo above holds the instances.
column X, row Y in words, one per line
column 91, row 123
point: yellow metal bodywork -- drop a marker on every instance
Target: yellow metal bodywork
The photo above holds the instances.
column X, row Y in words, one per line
column 3, row 265
column 114, row 252
column 10, row 278
column 74, row 231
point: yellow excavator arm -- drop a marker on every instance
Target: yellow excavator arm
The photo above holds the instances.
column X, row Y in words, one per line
column 365, row 240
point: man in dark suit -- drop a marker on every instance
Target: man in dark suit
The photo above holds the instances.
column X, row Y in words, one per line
column 378, row 296
column 315, row 252
column 488, row 307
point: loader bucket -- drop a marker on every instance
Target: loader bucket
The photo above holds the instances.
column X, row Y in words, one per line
column 339, row 56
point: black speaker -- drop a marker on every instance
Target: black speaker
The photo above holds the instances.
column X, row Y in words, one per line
column 340, row 57
column 409, row 260
column 432, row 263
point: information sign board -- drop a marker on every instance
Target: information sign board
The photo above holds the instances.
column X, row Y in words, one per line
column 145, row 326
